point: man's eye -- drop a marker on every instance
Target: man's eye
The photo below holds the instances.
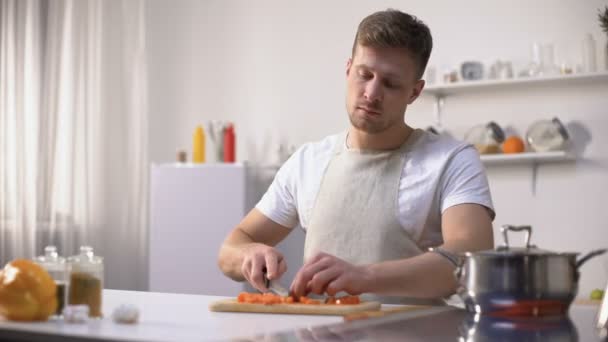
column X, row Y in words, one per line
column 392, row 85
column 365, row 74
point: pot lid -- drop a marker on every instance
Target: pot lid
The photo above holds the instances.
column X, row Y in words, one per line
column 518, row 251
column 528, row 249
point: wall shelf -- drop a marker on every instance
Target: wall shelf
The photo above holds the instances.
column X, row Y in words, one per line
column 534, row 159
column 527, row 158
column 441, row 90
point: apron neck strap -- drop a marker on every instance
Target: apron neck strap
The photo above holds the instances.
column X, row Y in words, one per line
column 341, row 145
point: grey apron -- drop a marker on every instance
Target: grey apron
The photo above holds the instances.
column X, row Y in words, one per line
column 354, row 216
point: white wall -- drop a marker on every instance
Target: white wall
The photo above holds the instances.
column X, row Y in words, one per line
column 277, row 70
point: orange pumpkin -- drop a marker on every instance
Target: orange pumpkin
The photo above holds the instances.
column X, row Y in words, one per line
column 27, row 291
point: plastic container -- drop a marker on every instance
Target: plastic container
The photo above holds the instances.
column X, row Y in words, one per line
column 198, row 145
column 486, row 137
column 57, row 268
column 86, row 280
column 589, row 54
column 229, row 144
column 547, row 135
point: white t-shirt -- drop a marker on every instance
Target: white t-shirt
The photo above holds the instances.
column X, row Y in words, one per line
column 439, row 172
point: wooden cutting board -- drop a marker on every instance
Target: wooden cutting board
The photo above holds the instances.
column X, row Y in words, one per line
column 231, row 305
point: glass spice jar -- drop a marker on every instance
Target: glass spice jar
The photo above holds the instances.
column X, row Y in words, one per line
column 547, row 135
column 56, row 267
column 86, row 280
column 486, row 137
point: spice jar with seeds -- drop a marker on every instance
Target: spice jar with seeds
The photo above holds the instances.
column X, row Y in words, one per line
column 86, row 280
column 56, row 267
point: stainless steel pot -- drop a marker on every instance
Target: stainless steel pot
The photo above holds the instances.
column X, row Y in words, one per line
column 512, row 281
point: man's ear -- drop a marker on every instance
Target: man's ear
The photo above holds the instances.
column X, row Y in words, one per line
column 416, row 91
column 349, row 64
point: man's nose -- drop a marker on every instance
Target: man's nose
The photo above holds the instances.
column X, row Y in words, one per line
column 373, row 91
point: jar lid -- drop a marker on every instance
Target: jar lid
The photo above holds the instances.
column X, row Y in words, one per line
column 86, row 256
column 486, row 134
column 496, row 132
column 51, row 259
column 561, row 128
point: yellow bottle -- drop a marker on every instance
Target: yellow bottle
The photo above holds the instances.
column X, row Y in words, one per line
column 198, row 145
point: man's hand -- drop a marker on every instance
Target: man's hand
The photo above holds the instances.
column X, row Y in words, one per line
column 325, row 273
column 248, row 250
column 259, row 258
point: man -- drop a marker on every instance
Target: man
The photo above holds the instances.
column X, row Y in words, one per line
column 373, row 199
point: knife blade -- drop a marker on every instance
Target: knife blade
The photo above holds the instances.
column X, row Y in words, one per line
column 275, row 286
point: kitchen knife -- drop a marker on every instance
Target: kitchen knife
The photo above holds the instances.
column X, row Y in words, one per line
column 275, row 286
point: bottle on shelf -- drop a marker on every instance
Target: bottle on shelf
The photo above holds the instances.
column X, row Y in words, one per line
column 589, row 51
column 198, row 145
column 216, row 134
column 229, row 144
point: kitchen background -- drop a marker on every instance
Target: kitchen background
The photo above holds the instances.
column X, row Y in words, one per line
column 277, row 70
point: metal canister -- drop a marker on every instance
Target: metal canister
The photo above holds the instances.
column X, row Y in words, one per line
column 86, row 280
column 55, row 265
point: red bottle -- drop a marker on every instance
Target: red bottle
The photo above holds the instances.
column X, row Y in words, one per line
column 229, row 144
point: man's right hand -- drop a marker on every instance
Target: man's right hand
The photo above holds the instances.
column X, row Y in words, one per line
column 248, row 249
column 259, row 258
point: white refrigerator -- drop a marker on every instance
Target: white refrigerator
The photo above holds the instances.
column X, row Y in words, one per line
column 192, row 209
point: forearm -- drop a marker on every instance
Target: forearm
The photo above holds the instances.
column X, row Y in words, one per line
column 248, row 249
column 425, row 276
column 428, row 275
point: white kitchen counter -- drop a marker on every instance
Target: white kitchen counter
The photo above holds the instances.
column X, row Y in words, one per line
column 169, row 317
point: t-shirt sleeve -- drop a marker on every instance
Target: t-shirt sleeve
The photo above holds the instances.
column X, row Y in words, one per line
column 279, row 201
column 464, row 181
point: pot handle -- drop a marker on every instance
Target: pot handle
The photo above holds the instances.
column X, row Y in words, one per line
column 590, row 255
column 456, row 260
column 505, row 229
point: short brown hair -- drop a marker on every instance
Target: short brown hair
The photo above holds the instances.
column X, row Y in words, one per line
column 393, row 28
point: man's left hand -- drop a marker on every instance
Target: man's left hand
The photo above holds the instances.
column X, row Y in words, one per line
column 325, row 273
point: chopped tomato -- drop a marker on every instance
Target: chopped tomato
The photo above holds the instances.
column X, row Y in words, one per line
column 270, row 299
column 306, row 300
column 343, row 300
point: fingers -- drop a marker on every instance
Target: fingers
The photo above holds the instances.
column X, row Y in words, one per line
column 282, row 267
column 299, row 286
column 246, row 269
column 319, row 282
column 260, row 260
column 257, row 273
column 273, row 261
column 349, row 282
column 337, row 285
column 325, row 273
